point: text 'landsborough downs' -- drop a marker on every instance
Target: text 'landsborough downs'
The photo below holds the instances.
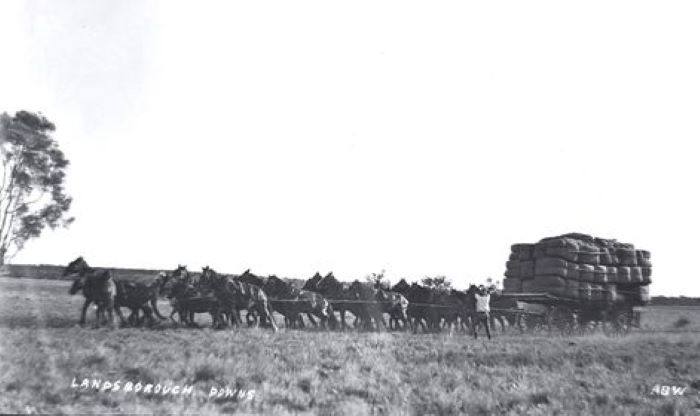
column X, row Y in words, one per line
column 164, row 389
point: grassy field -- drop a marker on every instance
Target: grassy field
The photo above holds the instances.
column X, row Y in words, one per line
column 42, row 351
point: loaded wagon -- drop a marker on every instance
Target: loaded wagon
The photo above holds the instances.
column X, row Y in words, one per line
column 579, row 282
column 568, row 315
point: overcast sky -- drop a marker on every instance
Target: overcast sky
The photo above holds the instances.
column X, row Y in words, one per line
column 423, row 138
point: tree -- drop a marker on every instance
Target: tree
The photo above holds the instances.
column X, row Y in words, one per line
column 32, row 195
column 378, row 280
column 437, row 282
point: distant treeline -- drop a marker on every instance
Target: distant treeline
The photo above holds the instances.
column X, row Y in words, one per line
column 674, row 301
column 49, row 271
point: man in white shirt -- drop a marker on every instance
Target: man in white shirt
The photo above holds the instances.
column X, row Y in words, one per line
column 483, row 298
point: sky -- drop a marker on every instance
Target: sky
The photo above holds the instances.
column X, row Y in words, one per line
column 419, row 138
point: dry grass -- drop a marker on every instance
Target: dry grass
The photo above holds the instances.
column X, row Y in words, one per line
column 334, row 373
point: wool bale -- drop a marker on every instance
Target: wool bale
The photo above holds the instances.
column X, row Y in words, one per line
column 597, row 293
column 514, row 256
column 513, row 265
column 512, row 273
column 624, row 274
column 584, row 291
column 643, row 258
column 586, row 273
column 555, row 285
column 641, row 294
column 610, row 293
column 600, row 274
column 606, row 257
column 589, row 258
column 628, row 257
column 572, row 289
column 550, row 266
column 550, row 281
column 528, row 286
column 527, row 269
column 562, row 252
column 539, row 250
column 612, row 274
column 636, row 274
column 560, row 241
column 525, row 251
column 646, row 275
column 572, row 271
column 511, row 285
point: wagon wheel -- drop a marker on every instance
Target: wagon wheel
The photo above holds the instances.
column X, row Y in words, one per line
column 534, row 322
column 562, row 319
column 618, row 322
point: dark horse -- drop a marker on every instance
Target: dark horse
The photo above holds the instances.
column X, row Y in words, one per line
column 365, row 305
column 109, row 295
column 292, row 302
column 337, row 293
column 188, row 295
column 234, row 295
column 98, row 287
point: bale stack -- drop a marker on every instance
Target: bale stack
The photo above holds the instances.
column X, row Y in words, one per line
column 582, row 267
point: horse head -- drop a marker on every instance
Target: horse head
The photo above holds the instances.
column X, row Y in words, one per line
column 329, row 284
column 78, row 266
column 77, row 285
column 401, row 287
column 312, row 283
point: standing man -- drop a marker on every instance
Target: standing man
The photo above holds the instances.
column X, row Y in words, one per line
column 483, row 298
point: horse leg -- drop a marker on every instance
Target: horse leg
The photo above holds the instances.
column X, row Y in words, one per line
column 148, row 314
column 343, row 324
column 312, row 320
column 118, row 310
column 268, row 315
column 84, row 311
column 98, row 315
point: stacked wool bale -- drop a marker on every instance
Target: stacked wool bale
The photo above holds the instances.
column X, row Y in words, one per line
column 580, row 266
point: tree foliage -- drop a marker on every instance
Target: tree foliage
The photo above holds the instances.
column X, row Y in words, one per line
column 437, row 282
column 32, row 194
column 378, row 280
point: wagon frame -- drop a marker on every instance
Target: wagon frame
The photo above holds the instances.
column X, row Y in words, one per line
column 570, row 316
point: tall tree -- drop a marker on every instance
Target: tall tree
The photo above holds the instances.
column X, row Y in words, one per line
column 32, row 195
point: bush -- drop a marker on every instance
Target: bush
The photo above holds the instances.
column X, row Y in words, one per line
column 682, row 322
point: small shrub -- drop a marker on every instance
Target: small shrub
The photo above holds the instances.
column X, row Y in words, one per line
column 94, row 359
column 539, row 398
column 681, row 322
column 205, row 373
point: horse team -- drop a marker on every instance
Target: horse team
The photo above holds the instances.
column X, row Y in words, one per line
column 225, row 297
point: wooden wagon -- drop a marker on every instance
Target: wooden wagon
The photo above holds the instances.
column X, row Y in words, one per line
column 566, row 315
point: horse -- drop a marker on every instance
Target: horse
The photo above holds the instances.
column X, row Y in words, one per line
column 367, row 306
column 234, row 294
column 292, row 302
column 338, row 294
column 312, row 283
column 188, row 301
column 140, row 296
column 395, row 304
column 98, row 287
